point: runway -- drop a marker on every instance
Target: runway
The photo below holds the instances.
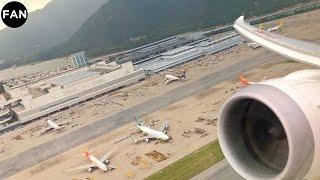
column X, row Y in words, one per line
column 75, row 138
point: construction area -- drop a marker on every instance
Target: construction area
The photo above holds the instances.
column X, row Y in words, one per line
column 192, row 120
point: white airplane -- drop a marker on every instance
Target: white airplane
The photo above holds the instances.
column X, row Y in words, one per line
column 101, row 163
column 276, row 28
column 53, row 127
column 151, row 133
column 254, row 45
column 170, row 78
column 271, row 129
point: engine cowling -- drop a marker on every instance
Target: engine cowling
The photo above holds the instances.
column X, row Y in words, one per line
column 90, row 170
column 271, row 130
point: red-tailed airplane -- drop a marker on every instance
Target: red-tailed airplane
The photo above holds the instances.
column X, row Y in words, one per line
column 101, row 163
column 244, row 81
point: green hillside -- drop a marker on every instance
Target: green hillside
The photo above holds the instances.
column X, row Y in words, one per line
column 112, row 26
column 46, row 28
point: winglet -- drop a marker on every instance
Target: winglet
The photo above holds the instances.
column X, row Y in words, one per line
column 241, row 19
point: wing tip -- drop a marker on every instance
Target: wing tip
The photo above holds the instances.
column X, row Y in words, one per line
column 240, row 19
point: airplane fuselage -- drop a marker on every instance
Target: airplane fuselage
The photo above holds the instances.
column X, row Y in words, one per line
column 98, row 163
column 273, row 29
column 53, row 125
column 153, row 133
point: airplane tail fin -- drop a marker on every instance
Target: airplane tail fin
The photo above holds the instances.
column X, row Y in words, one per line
column 261, row 26
column 243, row 80
column 183, row 75
column 281, row 24
column 246, row 82
column 86, row 154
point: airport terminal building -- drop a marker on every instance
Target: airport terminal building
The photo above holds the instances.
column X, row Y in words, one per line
column 63, row 91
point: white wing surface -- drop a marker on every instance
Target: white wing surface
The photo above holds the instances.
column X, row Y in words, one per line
column 297, row 50
column 82, row 167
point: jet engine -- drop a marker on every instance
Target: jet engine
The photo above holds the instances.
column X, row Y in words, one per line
column 271, row 130
column 90, row 170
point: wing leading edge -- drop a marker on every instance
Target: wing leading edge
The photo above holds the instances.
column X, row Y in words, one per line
column 297, row 50
column 87, row 166
column 106, row 156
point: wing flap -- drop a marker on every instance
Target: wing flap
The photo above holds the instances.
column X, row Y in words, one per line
column 297, row 50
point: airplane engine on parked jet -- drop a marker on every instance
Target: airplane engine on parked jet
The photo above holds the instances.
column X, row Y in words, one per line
column 271, row 130
column 90, row 170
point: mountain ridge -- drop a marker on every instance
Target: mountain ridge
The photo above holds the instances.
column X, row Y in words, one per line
column 114, row 24
column 47, row 27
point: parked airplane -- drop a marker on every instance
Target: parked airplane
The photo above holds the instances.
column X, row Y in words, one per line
column 170, row 78
column 246, row 82
column 101, row 163
column 276, row 28
column 151, row 133
column 271, row 130
column 254, row 45
column 53, row 127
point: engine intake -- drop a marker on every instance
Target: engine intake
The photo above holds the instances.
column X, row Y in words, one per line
column 264, row 134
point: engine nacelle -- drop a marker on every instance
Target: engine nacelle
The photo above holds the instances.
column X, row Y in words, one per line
column 271, row 130
column 90, row 170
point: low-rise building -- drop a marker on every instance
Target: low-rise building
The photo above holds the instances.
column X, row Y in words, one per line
column 78, row 60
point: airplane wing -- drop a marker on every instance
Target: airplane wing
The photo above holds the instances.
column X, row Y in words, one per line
column 144, row 138
column 50, row 126
column 46, row 130
column 164, row 126
column 297, row 50
column 87, row 166
column 105, row 157
column 149, row 137
column 64, row 124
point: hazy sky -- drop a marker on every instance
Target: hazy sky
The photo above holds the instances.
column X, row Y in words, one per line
column 31, row 5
